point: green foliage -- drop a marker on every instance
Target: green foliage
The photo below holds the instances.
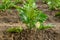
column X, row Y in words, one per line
column 6, row 4
column 30, row 15
column 18, row 1
column 15, row 29
column 45, row 1
column 57, row 15
column 53, row 4
column 45, row 26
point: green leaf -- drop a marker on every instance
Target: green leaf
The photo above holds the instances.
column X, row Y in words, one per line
column 14, row 29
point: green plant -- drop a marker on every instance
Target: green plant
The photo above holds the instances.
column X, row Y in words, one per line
column 45, row 1
column 4, row 4
column 57, row 15
column 53, row 4
column 15, row 29
column 47, row 26
column 30, row 15
column 17, row 1
column 7, row 4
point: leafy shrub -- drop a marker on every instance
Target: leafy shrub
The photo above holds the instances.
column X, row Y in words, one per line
column 15, row 29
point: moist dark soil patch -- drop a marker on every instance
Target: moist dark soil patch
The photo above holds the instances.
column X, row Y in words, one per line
column 38, row 35
column 47, row 34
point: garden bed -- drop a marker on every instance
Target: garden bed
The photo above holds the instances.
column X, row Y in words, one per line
column 10, row 18
column 47, row 34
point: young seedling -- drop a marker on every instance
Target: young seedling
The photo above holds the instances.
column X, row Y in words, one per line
column 30, row 15
column 6, row 4
column 15, row 30
column 53, row 5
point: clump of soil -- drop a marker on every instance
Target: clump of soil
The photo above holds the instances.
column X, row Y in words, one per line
column 34, row 34
column 38, row 35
